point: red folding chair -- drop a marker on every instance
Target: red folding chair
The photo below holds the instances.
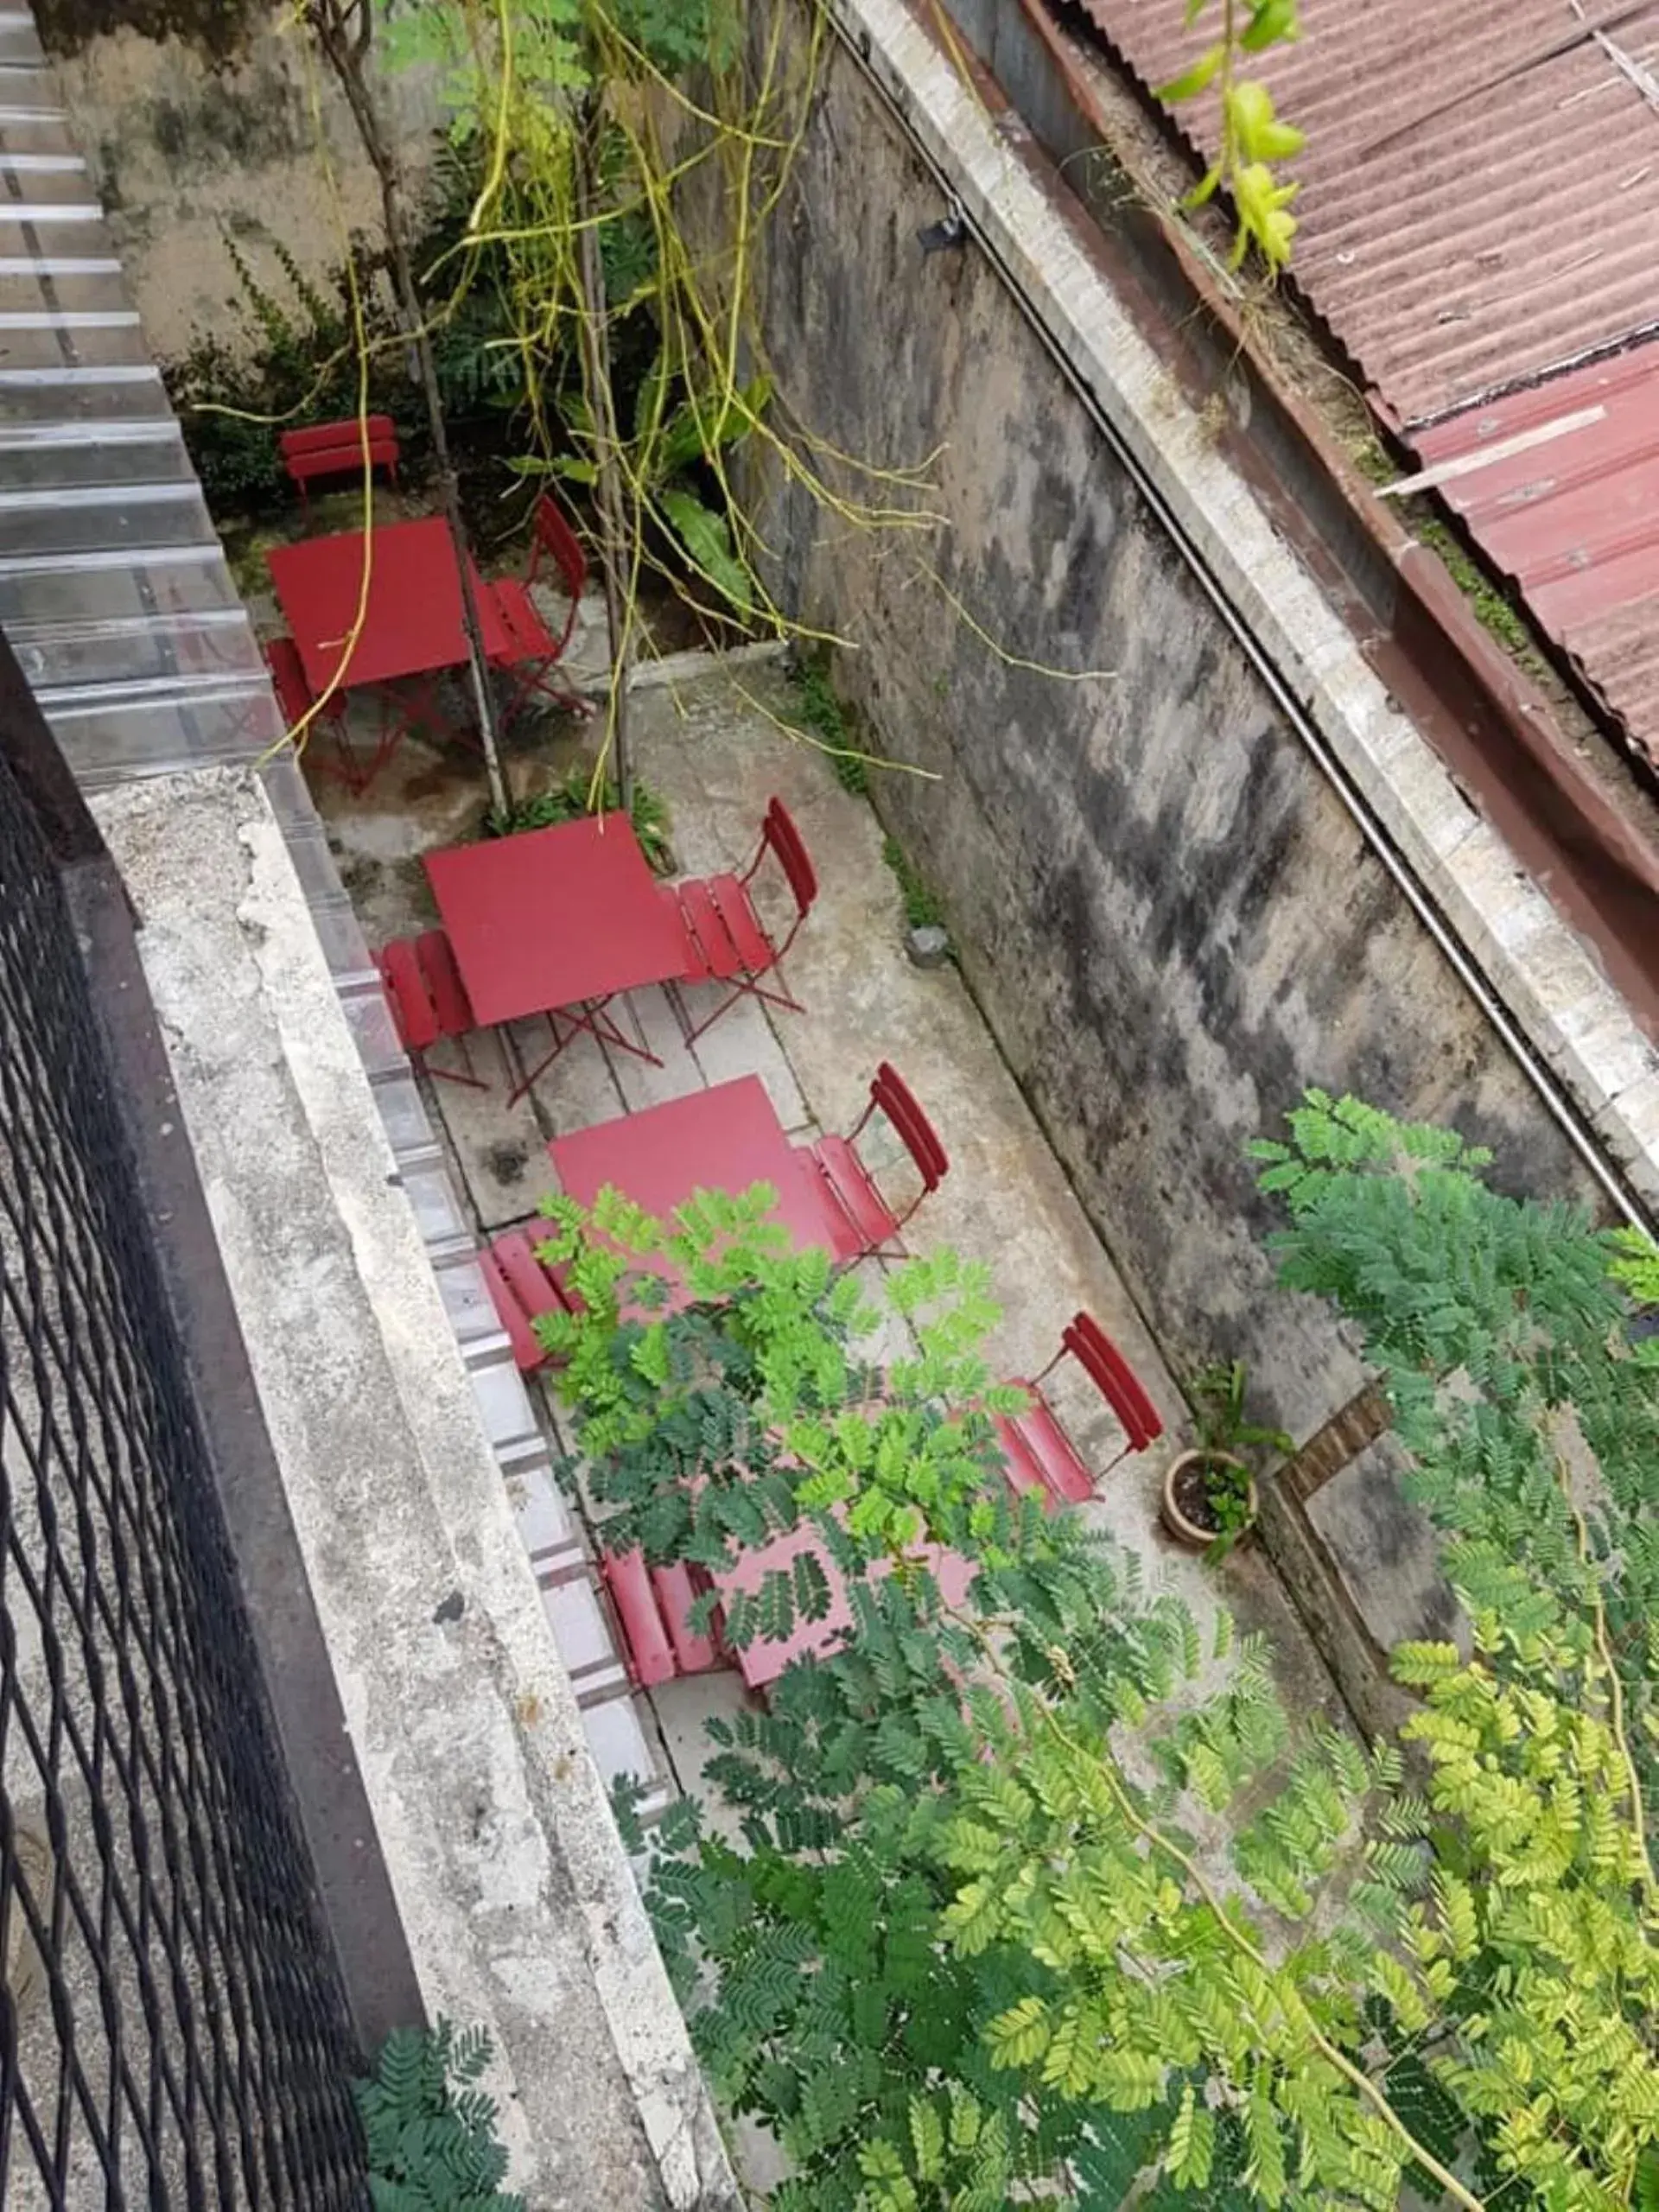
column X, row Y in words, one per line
column 522, row 1290
column 1040, row 1452
column 324, row 449
column 428, row 1001
column 651, row 1606
column 536, row 651
column 866, row 1223
column 295, row 699
column 726, row 940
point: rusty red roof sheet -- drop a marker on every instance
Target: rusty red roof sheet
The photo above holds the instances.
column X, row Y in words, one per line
column 1477, row 209
column 1573, row 518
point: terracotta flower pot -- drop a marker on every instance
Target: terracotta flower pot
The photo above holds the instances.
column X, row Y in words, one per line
column 1192, row 1533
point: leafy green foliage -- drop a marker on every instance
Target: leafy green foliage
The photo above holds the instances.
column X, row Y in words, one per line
column 923, row 907
column 1502, row 1329
column 961, row 1940
column 1254, row 139
column 822, row 712
column 573, row 797
column 956, row 1954
column 430, row 2130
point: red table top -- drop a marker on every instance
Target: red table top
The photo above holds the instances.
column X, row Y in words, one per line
column 723, row 1139
column 554, row 918
column 412, row 626
column 762, row 1661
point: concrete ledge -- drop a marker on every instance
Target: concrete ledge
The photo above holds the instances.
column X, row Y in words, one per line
column 518, row 1906
column 1546, row 979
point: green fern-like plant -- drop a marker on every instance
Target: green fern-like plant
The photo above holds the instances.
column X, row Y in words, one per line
column 430, row 2130
column 1038, row 1894
column 1508, row 1336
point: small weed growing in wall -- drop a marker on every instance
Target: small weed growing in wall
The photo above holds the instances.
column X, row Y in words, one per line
column 1491, row 609
column 821, row 712
column 923, row 909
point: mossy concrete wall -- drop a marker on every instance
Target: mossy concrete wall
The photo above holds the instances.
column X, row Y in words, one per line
column 205, row 121
column 1170, row 919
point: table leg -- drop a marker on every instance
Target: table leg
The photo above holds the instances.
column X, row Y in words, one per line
column 593, row 1016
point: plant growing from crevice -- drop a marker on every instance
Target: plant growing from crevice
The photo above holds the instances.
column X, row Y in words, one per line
column 924, row 909
column 821, row 712
column 575, row 794
column 430, row 2131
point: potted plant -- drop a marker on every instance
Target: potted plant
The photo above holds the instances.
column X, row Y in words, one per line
column 1210, row 1495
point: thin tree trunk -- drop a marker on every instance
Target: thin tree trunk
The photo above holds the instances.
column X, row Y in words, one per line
column 612, row 529
column 346, row 51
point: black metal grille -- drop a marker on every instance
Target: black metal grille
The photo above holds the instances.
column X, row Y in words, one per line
column 172, row 2028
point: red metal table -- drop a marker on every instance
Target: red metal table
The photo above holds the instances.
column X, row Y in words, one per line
column 762, row 1661
column 723, row 1139
column 412, row 624
column 726, row 1139
column 556, row 922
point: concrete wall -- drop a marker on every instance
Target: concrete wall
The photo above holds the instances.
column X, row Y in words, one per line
column 1172, row 922
column 188, row 140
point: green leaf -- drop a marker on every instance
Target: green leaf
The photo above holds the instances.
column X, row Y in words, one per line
column 1194, row 80
column 706, row 539
column 927, row 2139
column 1271, row 20
column 1020, row 2036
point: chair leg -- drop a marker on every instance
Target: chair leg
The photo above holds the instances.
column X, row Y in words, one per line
column 467, row 1082
column 747, row 989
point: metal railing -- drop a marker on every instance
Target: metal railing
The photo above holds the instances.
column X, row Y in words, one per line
column 172, row 2026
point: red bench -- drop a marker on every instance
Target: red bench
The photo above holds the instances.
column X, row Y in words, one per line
column 323, row 450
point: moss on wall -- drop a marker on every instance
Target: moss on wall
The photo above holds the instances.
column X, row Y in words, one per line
column 217, row 28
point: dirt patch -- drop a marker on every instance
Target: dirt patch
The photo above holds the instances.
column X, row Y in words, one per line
column 359, row 875
column 1190, row 1490
column 508, row 1162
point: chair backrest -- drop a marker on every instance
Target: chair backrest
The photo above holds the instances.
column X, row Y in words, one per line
column 345, row 437
column 413, row 1011
column 778, row 831
column 444, row 986
column 1116, row 1381
column 892, row 1096
column 551, row 534
column 288, row 677
column 535, row 1290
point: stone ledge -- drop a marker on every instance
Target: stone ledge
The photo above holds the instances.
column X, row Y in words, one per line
column 518, row 1906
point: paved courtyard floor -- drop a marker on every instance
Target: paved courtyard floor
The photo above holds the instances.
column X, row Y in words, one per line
column 714, row 750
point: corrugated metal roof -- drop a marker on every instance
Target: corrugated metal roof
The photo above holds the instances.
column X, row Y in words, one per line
column 1466, row 224
column 1572, row 519
column 1619, row 654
